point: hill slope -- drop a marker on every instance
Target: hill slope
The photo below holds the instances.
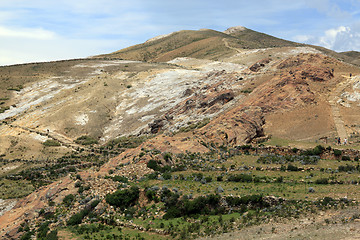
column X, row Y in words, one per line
column 190, row 100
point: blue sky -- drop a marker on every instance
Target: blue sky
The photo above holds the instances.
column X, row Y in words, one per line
column 44, row 30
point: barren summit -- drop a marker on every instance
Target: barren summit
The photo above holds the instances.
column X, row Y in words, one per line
column 190, row 134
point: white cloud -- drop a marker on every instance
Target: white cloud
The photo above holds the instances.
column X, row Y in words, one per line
column 339, row 39
column 33, row 33
column 330, row 37
column 302, row 38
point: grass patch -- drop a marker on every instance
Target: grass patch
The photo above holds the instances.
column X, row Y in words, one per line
column 15, row 189
column 51, row 143
column 197, row 125
column 86, row 140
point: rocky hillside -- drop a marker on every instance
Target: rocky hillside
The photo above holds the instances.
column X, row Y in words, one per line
column 189, row 92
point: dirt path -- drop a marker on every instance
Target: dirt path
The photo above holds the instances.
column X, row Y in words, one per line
column 228, row 46
column 339, row 123
column 65, row 141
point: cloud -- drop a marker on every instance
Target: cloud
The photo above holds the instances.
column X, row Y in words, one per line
column 342, row 38
column 33, row 33
column 16, row 50
column 335, row 9
column 330, row 38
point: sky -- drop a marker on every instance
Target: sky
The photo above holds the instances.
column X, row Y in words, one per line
column 47, row 30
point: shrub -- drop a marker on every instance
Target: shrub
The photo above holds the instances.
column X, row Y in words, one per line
column 200, row 205
column 208, row 179
column 68, row 199
column 27, row 236
column 152, row 164
column 52, row 235
column 279, row 179
column 127, row 142
column 42, row 230
column 322, row 181
column 167, row 157
column 346, row 168
column 86, row 140
column 345, row 158
column 51, row 143
column 292, row 168
column 240, row 178
column 337, row 153
column 151, row 195
column 318, row 150
column 75, row 219
column 118, row 178
column 123, row 198
column 278, row 159
column 166, row 176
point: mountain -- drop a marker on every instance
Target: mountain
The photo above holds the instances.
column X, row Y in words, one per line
column 187, row 101
column 204, row 44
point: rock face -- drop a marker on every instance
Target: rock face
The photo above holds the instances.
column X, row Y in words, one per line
column 234, row 29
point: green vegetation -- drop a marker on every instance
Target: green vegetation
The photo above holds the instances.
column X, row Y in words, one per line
column 17, row 88
column 211, row 193
column 3, row 109
column 51, row 143
column 77, row 218
column 126, row 142
column 123, row 198
column 193, row 126
column 86, row 140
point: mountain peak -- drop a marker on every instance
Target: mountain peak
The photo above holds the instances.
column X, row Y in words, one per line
column 235, row 29
column 159, row 37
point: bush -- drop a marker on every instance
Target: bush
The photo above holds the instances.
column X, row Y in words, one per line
column 151, row 195
column 346, row 168
column 86, row 140
column 337, row 153
column 184, row 207
column 51, row 143
column 166, row 176
column 345, row 158
column 27, row 236
column 127, row 142
column 52, row 235
column 208, row 179
column 123, row 198
column 279, row 159
column 75, row 219
column 318, row 150
column 240, row 178
column 292, row 168
column 167, row 157
column 152, row 164
column 42, row 230
column 322, row 181
column 68, row 200
column 118, row 178
column 279, row 179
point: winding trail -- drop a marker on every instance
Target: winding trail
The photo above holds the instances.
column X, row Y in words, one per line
column 228, row 46
column 64, row 141
column 339, row 123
